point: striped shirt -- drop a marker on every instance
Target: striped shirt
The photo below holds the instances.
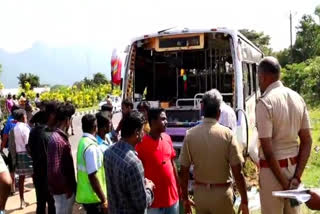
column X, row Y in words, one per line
column 127, row 193
column 61, row 173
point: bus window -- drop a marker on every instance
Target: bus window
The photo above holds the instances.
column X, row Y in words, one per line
column 247, row 80
column 255, row 78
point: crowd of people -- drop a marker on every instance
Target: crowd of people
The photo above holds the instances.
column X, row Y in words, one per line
column 132, row 169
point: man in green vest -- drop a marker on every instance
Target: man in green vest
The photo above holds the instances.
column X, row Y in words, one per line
column 91, row 188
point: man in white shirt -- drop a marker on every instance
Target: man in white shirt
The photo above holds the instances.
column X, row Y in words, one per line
column 24, row 161
column 228, row 117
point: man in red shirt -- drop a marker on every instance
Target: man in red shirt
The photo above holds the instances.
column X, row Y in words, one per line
column 157, row 155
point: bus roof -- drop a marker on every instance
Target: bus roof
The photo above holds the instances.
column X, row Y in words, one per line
column 175, row 31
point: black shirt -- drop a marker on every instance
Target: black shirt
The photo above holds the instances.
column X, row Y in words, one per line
column 38, row 146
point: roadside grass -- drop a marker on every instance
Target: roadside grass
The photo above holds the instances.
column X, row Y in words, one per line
column 311, row 176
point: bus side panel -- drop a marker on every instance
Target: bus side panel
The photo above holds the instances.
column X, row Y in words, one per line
column 241, row 125
column 252, row 131
column 247, row 128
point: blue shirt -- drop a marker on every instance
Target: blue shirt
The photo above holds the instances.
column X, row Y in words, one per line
column 103, row 145
column 127, row 193
column 10, row 124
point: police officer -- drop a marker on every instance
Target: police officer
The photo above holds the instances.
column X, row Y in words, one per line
column 281, row 117
column 214, row 152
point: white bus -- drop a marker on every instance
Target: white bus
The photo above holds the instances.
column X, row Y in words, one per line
column 173, row 68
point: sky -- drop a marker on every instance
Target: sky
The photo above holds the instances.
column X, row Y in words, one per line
column 108, row 24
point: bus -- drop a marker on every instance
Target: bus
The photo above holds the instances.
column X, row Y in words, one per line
column 172, row 69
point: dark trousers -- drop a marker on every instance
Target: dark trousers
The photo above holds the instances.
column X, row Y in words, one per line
column 93, row 208
column 43, row 195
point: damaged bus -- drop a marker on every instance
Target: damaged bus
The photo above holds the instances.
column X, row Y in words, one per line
column 172, row 69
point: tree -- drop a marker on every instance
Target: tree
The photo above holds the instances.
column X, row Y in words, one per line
column 32, row 79
column 304, row 78
column 88, row 82
column 259, row 39
column 284, row 56
column 307, row 41
column 311, row 86
column 294, row 75
column 99, row 79
column 317, row 12
column 58, row 87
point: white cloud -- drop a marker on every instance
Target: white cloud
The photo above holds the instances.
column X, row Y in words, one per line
column 108, row 24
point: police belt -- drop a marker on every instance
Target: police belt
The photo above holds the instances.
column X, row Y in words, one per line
column 210, row 186
column 284, row 163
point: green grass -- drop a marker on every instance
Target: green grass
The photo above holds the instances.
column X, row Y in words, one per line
column 311, row 176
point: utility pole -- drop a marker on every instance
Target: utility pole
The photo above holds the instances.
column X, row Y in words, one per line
column 291, row 50
column 290, row 17
column 291, row 36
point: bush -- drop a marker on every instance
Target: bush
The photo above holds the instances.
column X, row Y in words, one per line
column 305, row 79
column 81, row 96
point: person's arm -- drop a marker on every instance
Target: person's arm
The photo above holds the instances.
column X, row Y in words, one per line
column 4, row 141
column 266, row 146
column 67, row 169
column 314, row 202
column 235, row 159
column 95, row 184
column 5, row 186
column 303, row 156
column 119, row 126
column 176, row 175
column 12, row 148
column 185, row 163
column 140, row 194
column 174, row 166
column 241, row 185
column 91, row 159
column 184, row 179
column 304, row 148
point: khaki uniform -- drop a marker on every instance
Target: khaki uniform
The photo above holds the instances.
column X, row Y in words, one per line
column 211, row 148
column 280, row 114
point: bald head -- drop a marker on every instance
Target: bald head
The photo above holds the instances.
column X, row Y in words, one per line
column 268, row 72
column 270, row 65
